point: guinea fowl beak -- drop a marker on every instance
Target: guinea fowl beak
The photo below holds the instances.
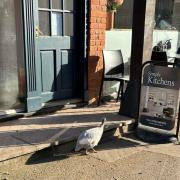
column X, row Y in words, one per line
column 103, row 121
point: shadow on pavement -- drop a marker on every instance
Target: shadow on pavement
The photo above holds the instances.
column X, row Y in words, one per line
column 53, row 153
column 65, row 151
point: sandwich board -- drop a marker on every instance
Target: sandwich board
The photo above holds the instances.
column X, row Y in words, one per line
column 159, row 103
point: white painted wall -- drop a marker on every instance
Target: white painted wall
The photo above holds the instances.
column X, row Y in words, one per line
column 121, row 39
column 8, row 55
column 118, row 39
column 163, row 35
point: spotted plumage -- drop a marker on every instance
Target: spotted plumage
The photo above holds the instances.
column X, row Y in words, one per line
column 90, row 138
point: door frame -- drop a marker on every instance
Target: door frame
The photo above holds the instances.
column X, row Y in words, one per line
column 33, row 81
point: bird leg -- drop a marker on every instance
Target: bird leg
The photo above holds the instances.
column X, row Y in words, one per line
column 94, row 151
column 86, row 152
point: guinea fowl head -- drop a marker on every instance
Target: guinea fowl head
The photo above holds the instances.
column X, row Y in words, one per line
column 103, row 122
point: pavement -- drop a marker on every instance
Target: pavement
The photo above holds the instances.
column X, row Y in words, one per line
column 30, row 134
column 117, row 158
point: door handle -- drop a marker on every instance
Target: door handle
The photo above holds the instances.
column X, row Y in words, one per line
column 38, row 32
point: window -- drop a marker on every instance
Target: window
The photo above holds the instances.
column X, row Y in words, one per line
column 56, row 17
column 167, row 15
column 123, row 16
column 166, row 35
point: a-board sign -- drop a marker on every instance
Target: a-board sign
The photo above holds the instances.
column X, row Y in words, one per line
column 159, row 99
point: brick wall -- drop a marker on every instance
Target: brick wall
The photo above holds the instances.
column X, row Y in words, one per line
column 96, row 45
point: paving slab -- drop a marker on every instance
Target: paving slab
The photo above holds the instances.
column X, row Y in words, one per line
column 123, row 147
column 11, row 147
column 167, row 149
column 115, row 150
column 143, row 165
column 38, row 132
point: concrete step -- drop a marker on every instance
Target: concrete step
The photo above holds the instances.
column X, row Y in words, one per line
column 34, row 133
column 8, row 117
column 110, row 132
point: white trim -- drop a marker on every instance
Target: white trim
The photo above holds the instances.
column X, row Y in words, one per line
column 10, row 112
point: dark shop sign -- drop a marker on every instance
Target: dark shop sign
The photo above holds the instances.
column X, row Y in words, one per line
column 159, row 100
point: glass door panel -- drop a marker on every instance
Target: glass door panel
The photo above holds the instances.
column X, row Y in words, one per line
column 57, row 4
column 68, row 24
column 56, row 20
column 43, row 4
column 69, row 5
column 44, row 23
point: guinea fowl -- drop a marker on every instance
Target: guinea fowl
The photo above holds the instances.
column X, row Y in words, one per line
column 90, row 138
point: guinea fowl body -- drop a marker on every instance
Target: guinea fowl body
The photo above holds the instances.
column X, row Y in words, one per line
column 90, row 138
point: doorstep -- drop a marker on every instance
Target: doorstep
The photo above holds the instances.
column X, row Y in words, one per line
column 10, row 114
column 49, row 107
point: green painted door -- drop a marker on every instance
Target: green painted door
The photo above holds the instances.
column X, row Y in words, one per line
column 55, row 28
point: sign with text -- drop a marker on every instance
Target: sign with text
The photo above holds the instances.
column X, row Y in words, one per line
column 159, row 103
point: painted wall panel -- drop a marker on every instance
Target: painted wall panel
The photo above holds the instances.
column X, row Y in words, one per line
column 47, row 71
column 8, row 56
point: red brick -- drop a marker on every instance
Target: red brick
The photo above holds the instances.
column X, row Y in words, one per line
column 94, row 2
column 93, row 48
column 102, row 2
column 93, row 20
column 102, row 26
column 98, row 14
column 94, row 25
column 96, row 44
column 92, row 42
column 103, row 20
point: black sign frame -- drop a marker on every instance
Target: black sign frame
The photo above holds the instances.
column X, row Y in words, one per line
column 158, row 64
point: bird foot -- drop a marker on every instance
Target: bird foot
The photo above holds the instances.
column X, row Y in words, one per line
column 86, row 152
column 94, row 151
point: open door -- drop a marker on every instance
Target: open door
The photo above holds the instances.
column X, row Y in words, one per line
column 52, row 58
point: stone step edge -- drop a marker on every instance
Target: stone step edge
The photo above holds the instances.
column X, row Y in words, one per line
column 109, row 127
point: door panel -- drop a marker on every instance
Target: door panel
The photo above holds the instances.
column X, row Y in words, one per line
column 67, row 70
column 64, row 75
column 47, row 71
column 50, row 43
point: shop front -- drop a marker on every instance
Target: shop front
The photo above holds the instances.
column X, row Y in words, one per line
column 42, row 53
